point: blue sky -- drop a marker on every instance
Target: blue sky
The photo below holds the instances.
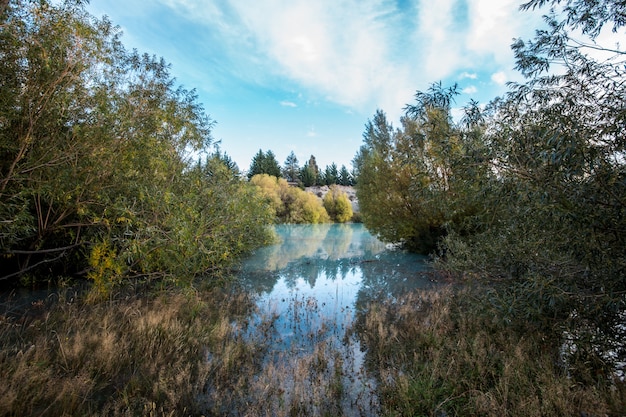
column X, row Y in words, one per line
column 305, row 76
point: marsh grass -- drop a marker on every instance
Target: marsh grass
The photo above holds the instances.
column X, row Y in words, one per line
column 130, row 356
column 305, row 365
column 442, row 353
column 187, row 352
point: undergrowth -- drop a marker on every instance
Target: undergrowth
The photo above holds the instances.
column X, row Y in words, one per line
column 187, row 352
column 444, row 353
column 130, row 356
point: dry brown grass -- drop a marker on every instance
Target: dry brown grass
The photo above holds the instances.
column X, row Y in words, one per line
column 138, row 356
column 436, row 357
column 186, row 352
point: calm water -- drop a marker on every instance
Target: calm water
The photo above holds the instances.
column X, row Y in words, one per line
column 309, row 288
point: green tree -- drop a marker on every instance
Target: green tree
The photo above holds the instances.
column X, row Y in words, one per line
column 316, row 170
column 307, row 175
column 331, row 174
column 95, row 171
column 345, row 178
column 264, row 163
column 411, row 183
column 553, row 226
column 291, row 170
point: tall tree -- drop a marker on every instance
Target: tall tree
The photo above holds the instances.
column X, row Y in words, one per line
column 95, row 170
column 316, row 170
column 331, row 175
column 553, row 223
column 345, row 178
column 264, row 163
column 410, row 180
column 307, row 175
column 291, row 169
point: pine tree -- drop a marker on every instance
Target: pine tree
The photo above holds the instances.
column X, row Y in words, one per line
column 291, row 170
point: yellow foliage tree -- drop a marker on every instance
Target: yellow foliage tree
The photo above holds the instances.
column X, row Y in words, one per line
column 338, row 205
column 290, row 204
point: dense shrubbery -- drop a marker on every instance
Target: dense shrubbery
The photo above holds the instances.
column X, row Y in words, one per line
column 290, row 204
column 337, row 205
column 528, row 194
column 416, row 181
column 94, row 173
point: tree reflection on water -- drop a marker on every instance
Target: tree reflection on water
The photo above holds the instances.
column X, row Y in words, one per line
column 308, row 290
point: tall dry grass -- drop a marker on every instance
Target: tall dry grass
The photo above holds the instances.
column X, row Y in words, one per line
column 136, row 356
column 185, row 352
column 443, row 354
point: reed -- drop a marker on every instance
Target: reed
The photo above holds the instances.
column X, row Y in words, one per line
column 189, row 352
column 442, row 353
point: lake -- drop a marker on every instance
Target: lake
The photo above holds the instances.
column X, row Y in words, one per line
column 308, row 289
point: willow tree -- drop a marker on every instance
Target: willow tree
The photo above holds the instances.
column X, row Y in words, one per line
column 415, row 181
column 94, row 171
column 556, row 215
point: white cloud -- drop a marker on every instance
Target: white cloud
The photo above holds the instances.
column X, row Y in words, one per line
column 494, row 25
column 469, row 90
column 469, row 75
column 286, row 103
column 499, row 78
column 361, row 54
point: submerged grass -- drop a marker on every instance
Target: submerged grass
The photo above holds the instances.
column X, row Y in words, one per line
column 186, row 352
column 132, row 356
column 441, row 353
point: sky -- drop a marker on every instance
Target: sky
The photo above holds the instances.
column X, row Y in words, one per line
column 307, row 75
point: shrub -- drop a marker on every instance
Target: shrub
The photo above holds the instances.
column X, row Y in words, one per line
column 338, row 205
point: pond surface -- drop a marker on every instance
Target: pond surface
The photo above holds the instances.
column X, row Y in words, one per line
column 308, row 289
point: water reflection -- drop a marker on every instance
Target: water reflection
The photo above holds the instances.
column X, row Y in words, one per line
column 337, row 255
column 311, row 285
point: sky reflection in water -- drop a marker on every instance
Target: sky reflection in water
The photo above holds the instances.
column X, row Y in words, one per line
column 319, row 276
column 310, row 288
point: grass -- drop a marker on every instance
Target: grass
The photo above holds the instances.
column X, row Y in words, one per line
column 443, row 354
column 187, row 352
column 135, row 356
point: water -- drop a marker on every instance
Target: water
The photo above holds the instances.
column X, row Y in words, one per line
column 308, row 289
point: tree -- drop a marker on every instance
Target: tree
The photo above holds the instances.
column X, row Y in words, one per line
column 345, row 178
column 291, row 169
column 338, row 205
column 264, row 163
column 95, row 171
column 316, row 171
column 289, row 204
column 553, row 227
column 331, row 175
column 411, row 186
column 307, row 175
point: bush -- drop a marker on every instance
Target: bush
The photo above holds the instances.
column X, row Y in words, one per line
column 98, row 182
column 338, row 205
column 290, row 204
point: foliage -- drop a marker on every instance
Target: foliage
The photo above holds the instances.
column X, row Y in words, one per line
column 345, row 178
column 291, row 169
column 307, row 176
column 331, row 175
column 416, row 181
column 290, row 204
column 94, row 171
column 528, row 195
column 310, row 173
column 338, row 205
column 555, row 229
column 264, row 163
column 444, row 352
